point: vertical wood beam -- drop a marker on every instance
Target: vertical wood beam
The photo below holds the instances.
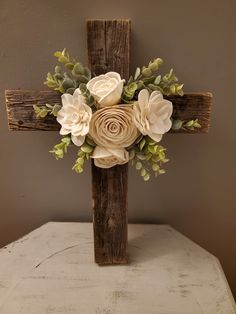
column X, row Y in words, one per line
column 109, row 50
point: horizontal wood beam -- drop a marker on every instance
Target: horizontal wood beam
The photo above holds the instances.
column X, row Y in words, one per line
column 21, row 115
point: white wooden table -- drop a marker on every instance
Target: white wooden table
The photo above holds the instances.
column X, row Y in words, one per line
column 51, row 270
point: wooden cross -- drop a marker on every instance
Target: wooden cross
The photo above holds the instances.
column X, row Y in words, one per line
column 108, row 50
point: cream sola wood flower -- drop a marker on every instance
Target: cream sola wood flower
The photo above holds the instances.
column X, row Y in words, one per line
column 74, row 117
column 113, row 127
column 152, row 114
column 109, row 157
column 106, row 89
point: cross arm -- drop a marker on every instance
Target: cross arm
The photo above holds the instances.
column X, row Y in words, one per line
column 21, row 115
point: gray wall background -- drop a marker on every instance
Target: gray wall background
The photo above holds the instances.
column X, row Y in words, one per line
column 197, row 195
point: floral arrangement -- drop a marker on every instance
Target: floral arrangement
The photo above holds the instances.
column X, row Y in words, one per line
column 110, row 120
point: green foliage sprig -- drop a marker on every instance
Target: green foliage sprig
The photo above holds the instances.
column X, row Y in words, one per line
column 84, row 153
column 69, row 76
column 148, row 78
column 148, row 156
column 60, row 149
column 90, row 101
column 185, row 125
column 43, row 111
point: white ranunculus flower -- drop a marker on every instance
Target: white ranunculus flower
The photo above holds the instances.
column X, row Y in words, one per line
column 114, row 127
column 152, row 114
column 109, row 157
column 106, row 89
column 74, row 117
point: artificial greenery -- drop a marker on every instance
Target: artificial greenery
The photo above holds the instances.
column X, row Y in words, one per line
column 68, row 75
column 190, row 125
column 43, row 111
column 84, row 153
column 148, row 157
column 60, row 149
column 149, row 78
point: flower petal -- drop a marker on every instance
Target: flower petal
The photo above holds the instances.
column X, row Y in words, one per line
column 78, row 140
column 156, row 137
column 67, row 99
column 143, row 98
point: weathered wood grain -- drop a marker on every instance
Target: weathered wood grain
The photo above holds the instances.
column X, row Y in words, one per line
column 109, row 193
column 20, row 111
column 193, row 106
column 50, row 271
column 109, row 50
column 109, row 46
column 21, row 116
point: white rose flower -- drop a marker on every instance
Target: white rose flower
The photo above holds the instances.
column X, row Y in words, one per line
column 106, row 89
column 152, row 114
column 109, row 157
column 114, row 127
column 74, row 117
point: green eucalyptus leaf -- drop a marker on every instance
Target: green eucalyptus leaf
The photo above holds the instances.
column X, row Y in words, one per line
column 131, row 154
column 70, row 90
column 69, row 65
column 143, row 172
column 67, row 83
column 138, row 165
column 142, row 144
column 146, row 72
column 86, row 148
column 146, row 177
column 141, row 156
column 157, row 80
column 177, row 124
column 78, row 69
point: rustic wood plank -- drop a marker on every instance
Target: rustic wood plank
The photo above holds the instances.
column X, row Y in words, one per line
column 21, row 116
column 193, row 106
column 109, row 46
column 109, row 50
column 109, row 193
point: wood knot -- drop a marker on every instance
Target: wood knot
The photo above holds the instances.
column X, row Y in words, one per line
column 111, row 223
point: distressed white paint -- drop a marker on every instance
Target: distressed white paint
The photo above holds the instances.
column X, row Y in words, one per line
column 51, row 271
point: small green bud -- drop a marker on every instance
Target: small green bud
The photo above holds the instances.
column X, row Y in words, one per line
column 86, row 148
column 172, row 89
column 189, row 123
column 153, row 66
column 57, row 69
column 143, row 172
column 158, row 61
column 138, row 165
column 62, row 59
column 146, row 72
column 155, row 167
column 177, row 124
column 146, row 177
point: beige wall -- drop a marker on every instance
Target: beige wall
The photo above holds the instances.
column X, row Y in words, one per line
column 197, row 195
